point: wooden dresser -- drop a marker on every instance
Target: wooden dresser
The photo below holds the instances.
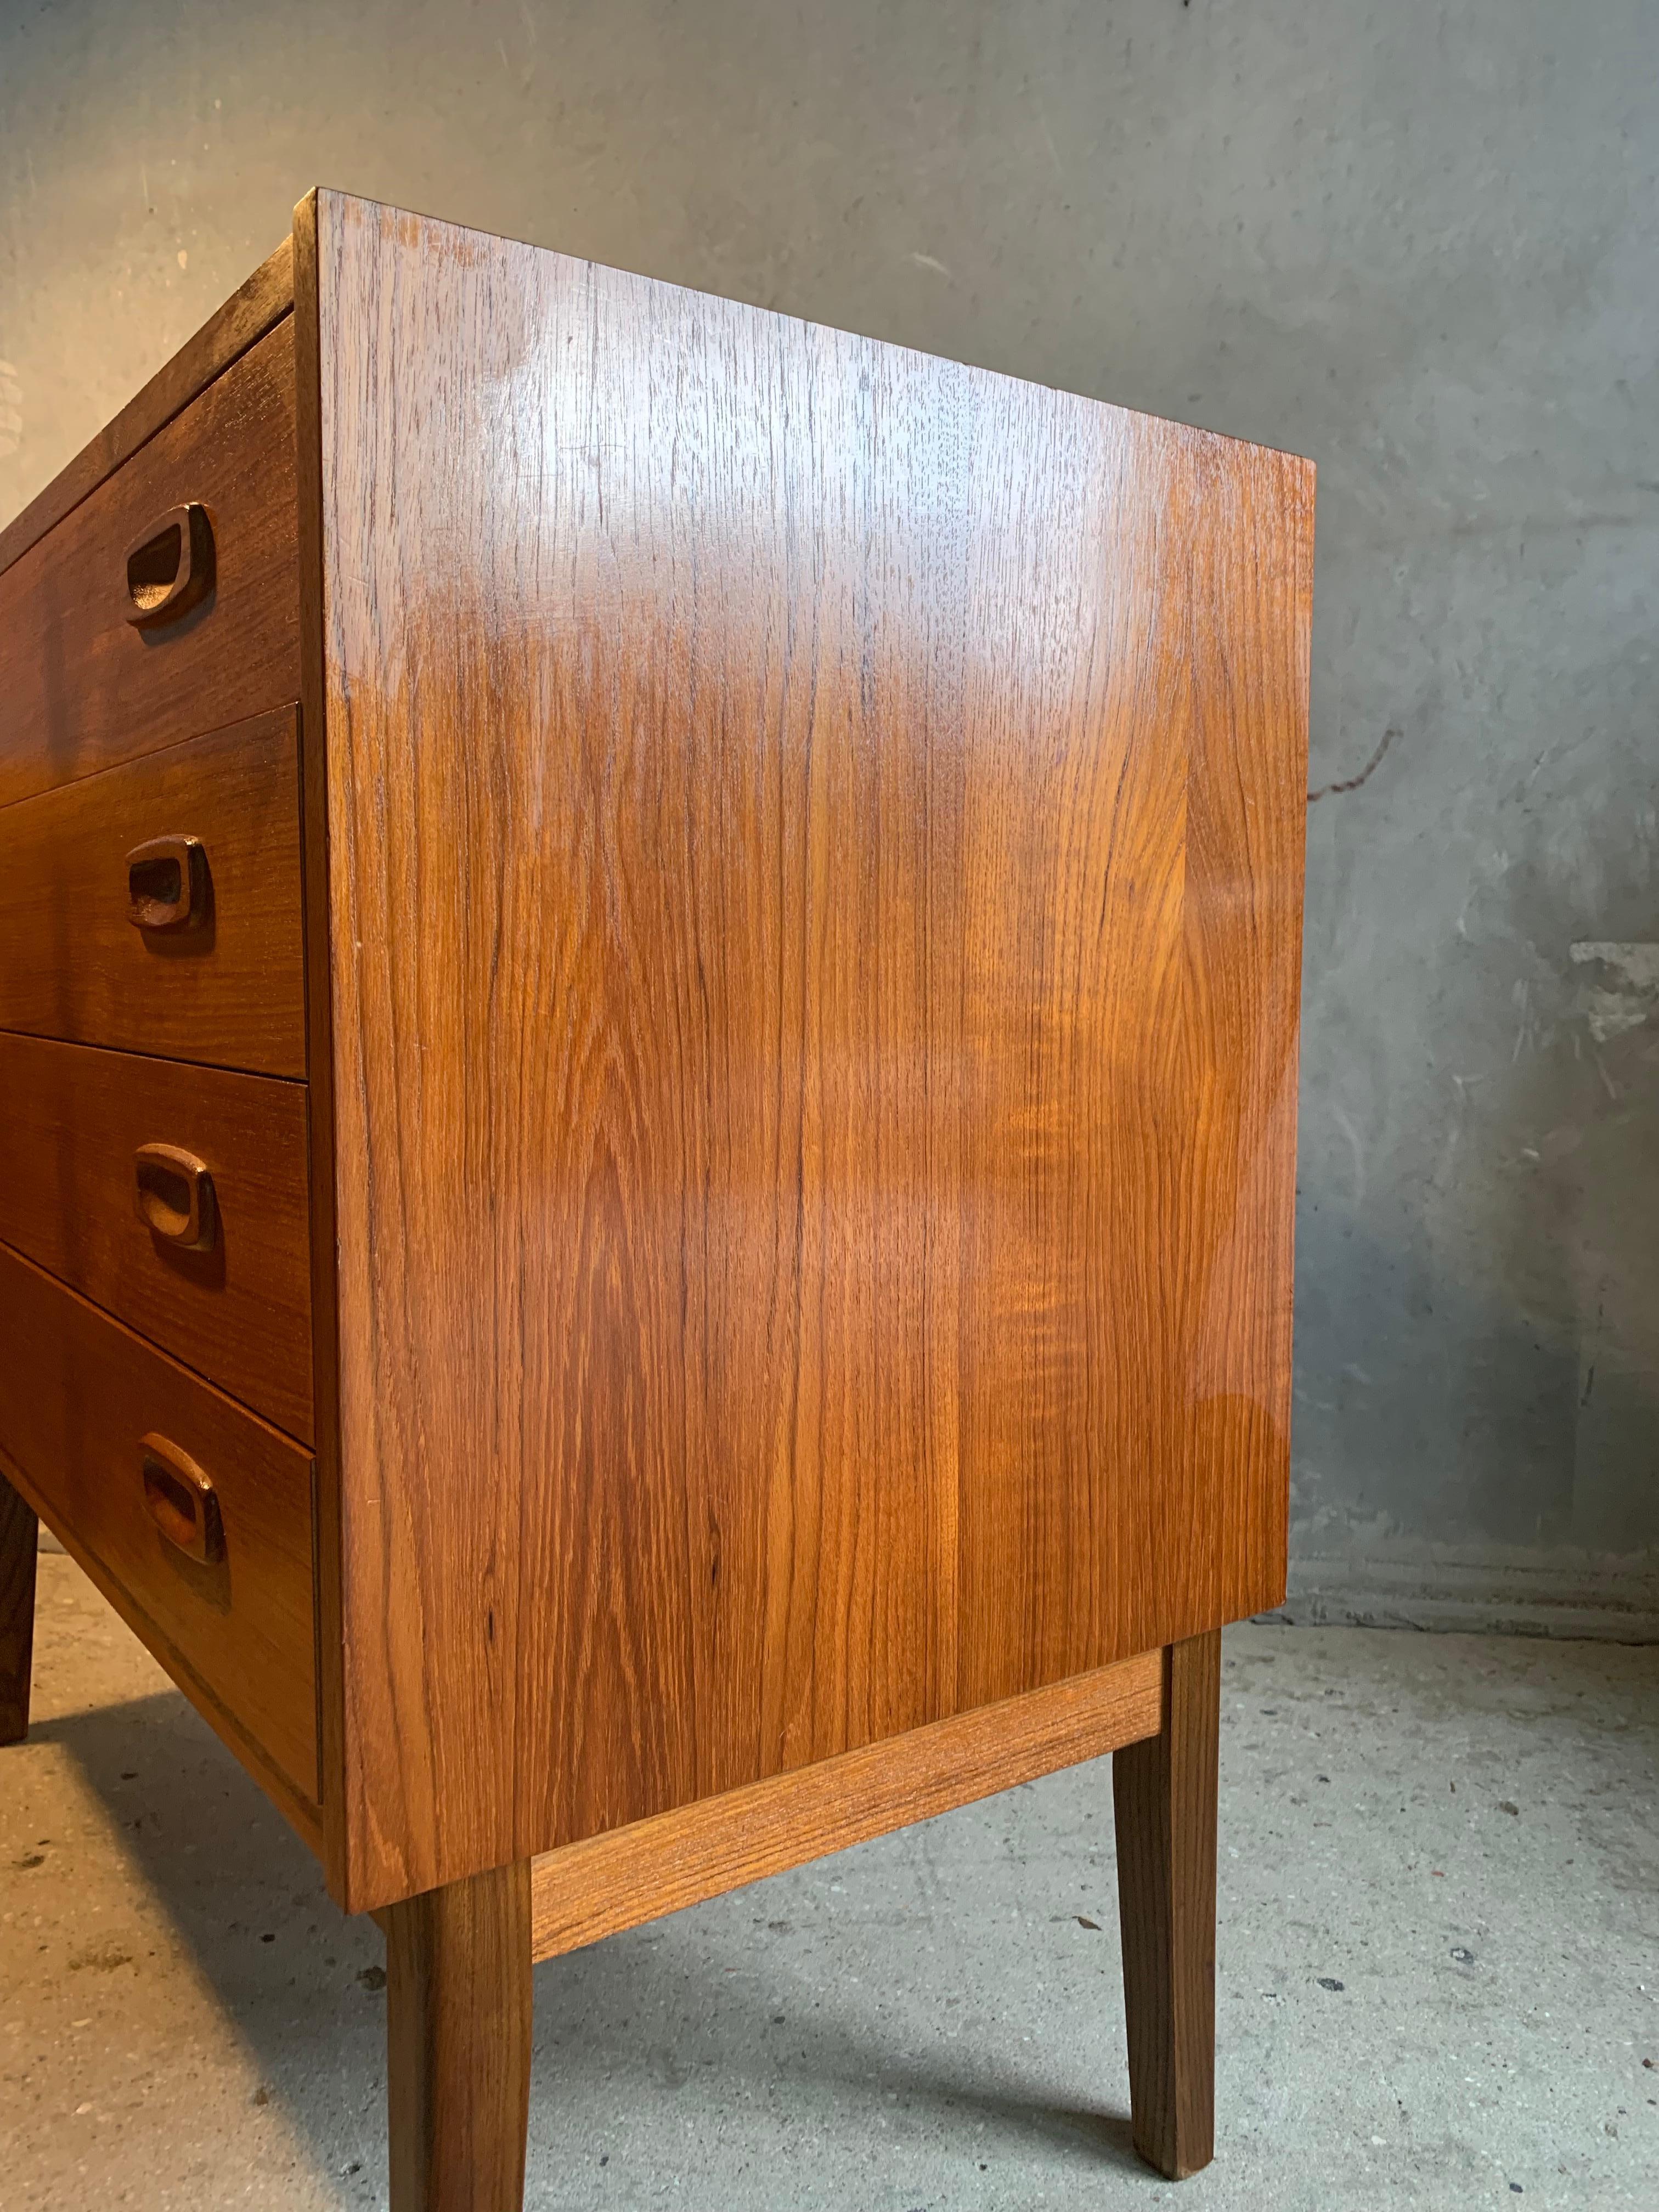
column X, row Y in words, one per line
column 648, row 983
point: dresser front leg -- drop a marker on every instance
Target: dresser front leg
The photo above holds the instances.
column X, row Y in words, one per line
column 457, row 2044
column 20, row 1539
column 1164, row 1795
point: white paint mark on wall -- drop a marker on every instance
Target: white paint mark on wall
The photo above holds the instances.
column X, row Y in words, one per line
column 11, row 409
column 1522, row 997
column 1356, row 1149
column 1629, row 996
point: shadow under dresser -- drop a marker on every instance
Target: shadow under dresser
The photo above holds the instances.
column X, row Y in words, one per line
column 649, row 962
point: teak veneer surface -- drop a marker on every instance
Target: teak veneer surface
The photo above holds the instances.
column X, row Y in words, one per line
column 229, row 994
column 609, row 1882
column 239, row 1311
column 814, row 865
column 232, row 328
column 80, row 688
column 78, row 1394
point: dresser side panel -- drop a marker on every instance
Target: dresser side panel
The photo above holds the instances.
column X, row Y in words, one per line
column 812, row 999
column 1224, row 1525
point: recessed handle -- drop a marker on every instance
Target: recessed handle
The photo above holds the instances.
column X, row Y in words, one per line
column 174, row 1195
column 182, row 1501
column 170, row 569
column 168, row 884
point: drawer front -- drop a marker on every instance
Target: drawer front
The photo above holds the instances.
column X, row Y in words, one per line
column 222, row 982
column 82, row 686
column 79, row 1396
column 174, row 1196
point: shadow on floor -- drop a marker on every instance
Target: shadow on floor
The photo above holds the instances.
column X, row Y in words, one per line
column 301, row 1984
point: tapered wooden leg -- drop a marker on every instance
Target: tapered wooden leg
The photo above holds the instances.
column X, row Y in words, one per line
column 1163, row 1794
column 457, row 2044
column 19, row 1537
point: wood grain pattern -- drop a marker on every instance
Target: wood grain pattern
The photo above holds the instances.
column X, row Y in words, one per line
column 814, row 856
column 78, row 1393
column 73, row 966
column 238, row 1312
column 610, row 1882
column 1221, row 1517
column 252, row 310
column 80, row 687
column 1163, row 1798
column 302, row 1812
column 20, row 1533
column 458, row 2018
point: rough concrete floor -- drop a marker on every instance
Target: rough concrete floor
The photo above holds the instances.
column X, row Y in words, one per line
column 1438, row 1981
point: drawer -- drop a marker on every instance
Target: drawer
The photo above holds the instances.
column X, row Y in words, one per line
column 81, row 686
column 96, row 1185
column 217, row 975
column 79, row 1396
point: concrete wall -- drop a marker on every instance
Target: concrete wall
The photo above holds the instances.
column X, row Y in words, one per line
column 1417, row 241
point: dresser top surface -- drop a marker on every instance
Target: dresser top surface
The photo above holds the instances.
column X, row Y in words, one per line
column 259, row 303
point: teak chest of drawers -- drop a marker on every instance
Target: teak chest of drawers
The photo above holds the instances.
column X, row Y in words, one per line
column 648, row 979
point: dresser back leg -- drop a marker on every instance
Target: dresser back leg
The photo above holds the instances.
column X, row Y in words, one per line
column 19, row 1536
column 1163, row 1793
column 457, row 2044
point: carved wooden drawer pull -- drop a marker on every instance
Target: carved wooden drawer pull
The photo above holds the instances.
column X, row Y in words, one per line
column 168, row 884
column 173, row 1191
column 170, row 569
column 181, row 1500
